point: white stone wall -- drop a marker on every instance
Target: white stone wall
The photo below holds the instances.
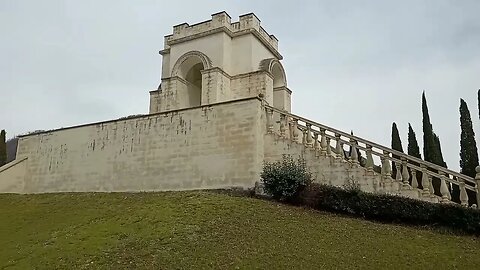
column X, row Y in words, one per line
column 325, row 170
column 12, row 176
column 252, row 84
column 215, row 146
column 215, row 86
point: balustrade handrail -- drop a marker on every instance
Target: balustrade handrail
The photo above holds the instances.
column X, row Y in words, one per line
column 384, row 148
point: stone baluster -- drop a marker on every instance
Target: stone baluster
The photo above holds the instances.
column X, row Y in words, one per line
column 316, row 144
column 477, row 186
column 449, row 186
column 283, row 125
column 269, row 120
column 382, row 163
column 463, row 192
column 294, row 130
column 329, row 148
column 369, row 163
column 414, row 178
column 425, row 183
column 339, row 147
column 405, row 174
column 383, row 178
column 430, row 186
column 443, row 188
column 323, row 142
column 304, row 131
column 387, row 169
column 354, row 153
column 308, row 134
column 398, row 176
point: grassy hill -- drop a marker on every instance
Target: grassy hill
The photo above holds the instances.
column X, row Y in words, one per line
column 193, row 230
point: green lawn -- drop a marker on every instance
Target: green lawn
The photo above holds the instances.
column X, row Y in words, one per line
column 202, row 230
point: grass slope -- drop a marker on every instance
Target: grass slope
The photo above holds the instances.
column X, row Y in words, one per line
column 195, row 230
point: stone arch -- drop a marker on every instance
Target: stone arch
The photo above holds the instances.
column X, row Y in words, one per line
column 188, row 60
column 275, row 68
column 189, row 67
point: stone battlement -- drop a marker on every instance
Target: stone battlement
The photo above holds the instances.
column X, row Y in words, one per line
column 221, row 21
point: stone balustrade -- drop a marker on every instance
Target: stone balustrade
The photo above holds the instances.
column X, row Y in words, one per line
column 411, row 172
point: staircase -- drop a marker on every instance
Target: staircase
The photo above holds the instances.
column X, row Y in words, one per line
column 338, row 158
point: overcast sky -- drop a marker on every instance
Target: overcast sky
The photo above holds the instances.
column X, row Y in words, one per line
column 352, row 65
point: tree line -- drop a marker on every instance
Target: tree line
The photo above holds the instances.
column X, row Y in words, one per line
column 432, row 150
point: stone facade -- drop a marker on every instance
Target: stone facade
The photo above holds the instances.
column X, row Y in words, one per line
column 216, row 61
column 215, row 146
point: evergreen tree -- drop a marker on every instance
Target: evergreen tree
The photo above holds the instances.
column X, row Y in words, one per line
column 438, row 152
column 428, row 137
column 3, row 148
column 468, row 148
column 396, row 145
column 432, row 150
column 478, row 95
column 413, row 148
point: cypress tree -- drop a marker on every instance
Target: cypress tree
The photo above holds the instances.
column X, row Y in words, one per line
column 428, row 137
column 438, row 152
column 432, row 150
column 413, row 148
column 468, row 147
column 396, row 145
column 3, row 148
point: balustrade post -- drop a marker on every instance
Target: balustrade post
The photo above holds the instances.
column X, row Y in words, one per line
column 431, row 190
column 269, row 120
column 443, row 188
column 323, row 142
column 405, row 174
column 354, row 153
column 369, row 163
column 463, row 192
column 316, row 144
column 382, row 163
column 477, row 186
column 414, row 178
column 283, row 128
column 308, row 133
column 294, row 130
column 398, row 176
column 329, row 147
column 304, row 141
column 339, row 147
column 425, row 183
column 386, row 165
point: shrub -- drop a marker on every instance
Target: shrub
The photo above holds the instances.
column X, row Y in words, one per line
column 285, row 178
column 389, row 208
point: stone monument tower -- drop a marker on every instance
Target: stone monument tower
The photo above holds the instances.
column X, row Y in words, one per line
column 216, row 61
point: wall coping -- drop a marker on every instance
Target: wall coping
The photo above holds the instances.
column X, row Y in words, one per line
column 12, row 163
column 140, row 116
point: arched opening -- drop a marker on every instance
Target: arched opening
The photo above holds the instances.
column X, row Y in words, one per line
column 189, row 67
column 194, row 84
column 278, row 76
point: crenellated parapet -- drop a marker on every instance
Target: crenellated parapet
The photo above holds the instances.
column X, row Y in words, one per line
column 221, row 22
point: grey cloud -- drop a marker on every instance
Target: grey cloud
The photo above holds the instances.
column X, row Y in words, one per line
column 354, row 65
